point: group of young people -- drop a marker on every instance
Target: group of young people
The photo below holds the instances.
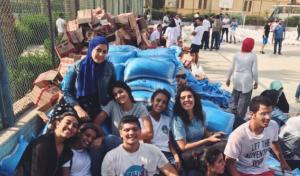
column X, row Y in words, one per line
column 99, row 129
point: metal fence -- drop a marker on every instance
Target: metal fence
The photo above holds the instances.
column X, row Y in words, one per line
column 26, row 40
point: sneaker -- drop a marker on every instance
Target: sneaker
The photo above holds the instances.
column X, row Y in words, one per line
column 262, row 52
column 279, row 53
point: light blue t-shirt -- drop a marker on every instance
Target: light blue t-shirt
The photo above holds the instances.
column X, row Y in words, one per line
column 191, row 133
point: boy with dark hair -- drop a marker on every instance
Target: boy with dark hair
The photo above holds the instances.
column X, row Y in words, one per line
column 133, row 157
column 248, row 146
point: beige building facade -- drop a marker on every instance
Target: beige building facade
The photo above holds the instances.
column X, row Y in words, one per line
column 250, row 7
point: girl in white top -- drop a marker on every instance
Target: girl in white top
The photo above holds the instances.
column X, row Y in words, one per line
column 172, row 34
column 80, row 163
column 161, row 125
column 244, row 70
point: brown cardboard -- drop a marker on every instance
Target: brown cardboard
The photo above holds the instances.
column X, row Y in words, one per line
column 84, row 16
column 46, row 78
column 127, row 18
column 142, row 23
column 66, row 62
column 64, row 48
column 45, row 97
column 74, row 33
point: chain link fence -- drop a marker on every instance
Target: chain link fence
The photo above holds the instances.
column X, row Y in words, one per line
column 25, row 35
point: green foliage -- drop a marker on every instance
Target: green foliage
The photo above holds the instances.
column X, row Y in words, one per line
column 26, row 71
column 23, row 35
column 39, row 24
column 255, row 20
column 292, row 21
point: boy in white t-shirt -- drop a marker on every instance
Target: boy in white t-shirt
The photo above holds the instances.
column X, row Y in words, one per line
column 133, row 157
column 60, row 25
column 248, row 146
column 196, row 41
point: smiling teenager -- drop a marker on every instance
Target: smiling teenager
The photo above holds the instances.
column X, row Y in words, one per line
column 133, row 157
column 46, row 154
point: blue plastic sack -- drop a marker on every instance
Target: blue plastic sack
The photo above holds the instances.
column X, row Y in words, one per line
column 118, row 57
column 122, row 48
column 208, row 103
column 138, row 68
column 151, row 85
column 274, row 164
column 158, row 52
column 119, row 70
column 218, row 120
column 9, row 163
column 177, row 49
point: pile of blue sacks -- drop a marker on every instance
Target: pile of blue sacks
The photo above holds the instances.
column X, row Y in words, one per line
column 147, row 70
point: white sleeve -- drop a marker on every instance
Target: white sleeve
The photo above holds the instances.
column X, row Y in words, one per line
column 107, row 167
column 161, row 159
column 232, row 67
column 254, row 69
column 276, row 131
column 233, row 147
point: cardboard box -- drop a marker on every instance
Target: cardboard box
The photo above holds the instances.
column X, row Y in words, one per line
column 45, row 97
column 126, row 18
column 84, row 16
column 74, row 33
column 66, row 62
column 47, row 78
column 64, row 48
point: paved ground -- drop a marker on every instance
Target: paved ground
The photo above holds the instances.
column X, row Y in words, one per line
column 285, row 67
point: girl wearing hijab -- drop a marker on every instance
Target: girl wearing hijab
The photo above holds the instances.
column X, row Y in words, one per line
column 85, row 86
column 282, row 103
column 46, row 154
column 244, row 71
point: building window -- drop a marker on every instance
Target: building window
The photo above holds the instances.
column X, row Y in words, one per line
column 204, row 4
column 249, row 6
column 200, row 4
column 182, row 4
column 245, row 5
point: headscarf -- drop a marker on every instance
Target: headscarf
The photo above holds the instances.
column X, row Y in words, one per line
column 248, row 45
column 89, row 70
column 276, row 85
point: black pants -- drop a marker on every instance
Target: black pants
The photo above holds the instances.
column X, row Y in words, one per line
column 224, row 30
column 205, row 40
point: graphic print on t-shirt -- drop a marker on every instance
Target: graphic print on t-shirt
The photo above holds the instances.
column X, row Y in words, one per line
column 258, row 152
column 136, row 170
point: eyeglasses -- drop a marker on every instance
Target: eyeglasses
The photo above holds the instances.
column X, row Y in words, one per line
column 181, row 76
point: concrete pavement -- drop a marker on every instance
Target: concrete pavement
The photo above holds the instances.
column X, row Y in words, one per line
column 285, row 68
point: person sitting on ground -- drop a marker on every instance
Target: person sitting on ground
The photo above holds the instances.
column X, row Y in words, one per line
column 249, row 144
column 215, row 163
column 155, row 36
column 46, row 154
column 244, row 70
column 80, row 164
column 161, row 126
column 289, row 140
column 172, row 34
column 196, row 40
column 277, row 114
column 282, row 103
column 181, row 79
column 86, row 84
column 133, row 157
column 123, row 104
column 189, row 126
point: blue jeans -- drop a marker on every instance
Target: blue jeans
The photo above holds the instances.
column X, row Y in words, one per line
column 297, row 95
column 97, row 154
column 279, row 43
column 215, row 40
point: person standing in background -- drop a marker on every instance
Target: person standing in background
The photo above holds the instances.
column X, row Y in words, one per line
column 166, row 21
column 265, row 37
column 244, row 71
column 298, row 29
column 279, row 35
column 225, row 27
column 233, row 27
column 60, row 25
column 178, row 24
column 216, row 30
column 205, row 39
